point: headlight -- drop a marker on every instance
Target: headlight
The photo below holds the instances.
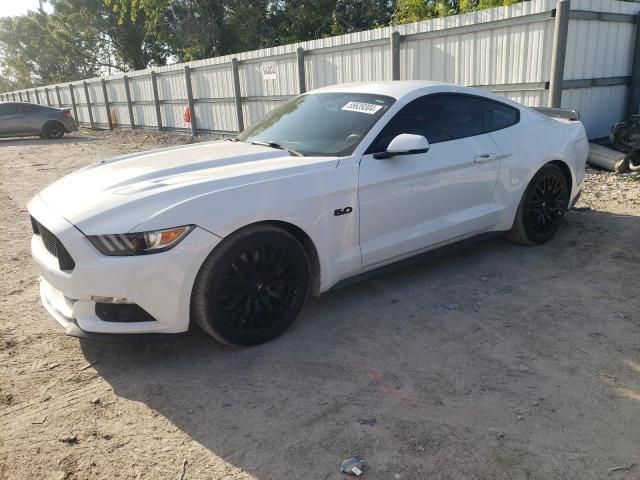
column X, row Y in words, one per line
column 140, row 243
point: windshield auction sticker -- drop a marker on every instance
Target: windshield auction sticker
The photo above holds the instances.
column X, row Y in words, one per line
column 362, row 107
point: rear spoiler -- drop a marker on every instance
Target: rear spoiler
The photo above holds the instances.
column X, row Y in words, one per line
column 565, row 113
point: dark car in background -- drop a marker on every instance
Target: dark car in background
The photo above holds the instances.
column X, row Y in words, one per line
column 20, row 119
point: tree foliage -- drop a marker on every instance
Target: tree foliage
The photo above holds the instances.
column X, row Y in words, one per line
column 84, row 38
column 416, row 10
column 35, row 50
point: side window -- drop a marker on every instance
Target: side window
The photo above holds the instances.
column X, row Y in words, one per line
column 7, row 109
column 436, row 117
column 26, row 108
column 498, row 116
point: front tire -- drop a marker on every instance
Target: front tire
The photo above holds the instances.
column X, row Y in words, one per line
column 53, row 130
column 252, row 286
column 542, row 207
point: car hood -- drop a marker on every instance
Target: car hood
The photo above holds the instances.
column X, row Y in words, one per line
column 118, row 195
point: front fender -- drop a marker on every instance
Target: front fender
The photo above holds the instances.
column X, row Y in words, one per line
column 306, row 201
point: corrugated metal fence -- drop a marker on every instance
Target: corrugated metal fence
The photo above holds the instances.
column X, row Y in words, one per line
column 510, row 50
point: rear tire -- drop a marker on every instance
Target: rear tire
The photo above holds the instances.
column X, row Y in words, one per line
column 53, row 130
column 252, row 286
column 542, row 207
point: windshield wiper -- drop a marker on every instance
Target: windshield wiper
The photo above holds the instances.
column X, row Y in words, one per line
column 271, row 144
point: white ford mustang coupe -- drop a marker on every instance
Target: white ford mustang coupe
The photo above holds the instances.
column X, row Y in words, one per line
column 234, row 235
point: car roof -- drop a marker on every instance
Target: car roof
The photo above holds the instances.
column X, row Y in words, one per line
column 395, row 89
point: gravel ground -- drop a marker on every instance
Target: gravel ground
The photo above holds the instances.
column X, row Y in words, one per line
column 495, row 362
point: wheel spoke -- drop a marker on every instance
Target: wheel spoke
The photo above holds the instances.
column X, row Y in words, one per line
column 260, row 287
column 547, row 204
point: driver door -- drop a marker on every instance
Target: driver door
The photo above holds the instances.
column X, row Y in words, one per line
column 410, row 203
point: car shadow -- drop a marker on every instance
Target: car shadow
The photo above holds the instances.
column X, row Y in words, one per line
column 411, row 369
column 29, row 141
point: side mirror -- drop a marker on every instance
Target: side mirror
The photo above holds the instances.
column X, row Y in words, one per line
column 404, row 144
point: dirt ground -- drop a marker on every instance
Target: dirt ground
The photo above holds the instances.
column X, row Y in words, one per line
column 495, row 362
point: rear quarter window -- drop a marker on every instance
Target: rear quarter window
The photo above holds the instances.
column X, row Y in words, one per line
column 498, row 116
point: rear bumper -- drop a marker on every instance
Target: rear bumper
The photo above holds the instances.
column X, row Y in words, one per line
column 160, row 283
column 70, row 125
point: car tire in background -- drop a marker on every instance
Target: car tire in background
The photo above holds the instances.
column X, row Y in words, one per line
column 53, row 129
column 542, row 207
column 252, row 286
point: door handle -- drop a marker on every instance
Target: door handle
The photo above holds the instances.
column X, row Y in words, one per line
column 485, row 157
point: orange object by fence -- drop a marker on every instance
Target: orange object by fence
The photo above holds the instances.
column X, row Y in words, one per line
column 187, row 114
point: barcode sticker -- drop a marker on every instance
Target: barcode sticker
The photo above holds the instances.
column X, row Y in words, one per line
column 362, row 107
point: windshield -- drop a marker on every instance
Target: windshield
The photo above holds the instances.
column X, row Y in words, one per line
column 323, row 124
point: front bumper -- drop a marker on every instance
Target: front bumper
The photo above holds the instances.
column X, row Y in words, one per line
column 159, row 283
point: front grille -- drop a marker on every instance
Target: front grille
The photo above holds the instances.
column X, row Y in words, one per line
column 53, row 246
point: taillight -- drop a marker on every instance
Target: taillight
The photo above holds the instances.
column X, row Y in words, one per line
column 68, row 114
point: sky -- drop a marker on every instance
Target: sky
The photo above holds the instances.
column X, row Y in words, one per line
column 18, row 7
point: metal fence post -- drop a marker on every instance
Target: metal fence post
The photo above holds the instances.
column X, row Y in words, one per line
column 58, row 95
column 634, row 94
column 20, row 93
column 156, row 100
column 127, row 92
column 237, row 93
column 37, row 96
column 395, row 56
column 559, row 52
column 28, row 96
column 192, row 104
column 106, row 103
column 88, row 100
column 46, row 95
column 73, row 103
column 302, row 83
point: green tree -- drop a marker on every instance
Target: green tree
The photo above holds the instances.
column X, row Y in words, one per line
column 35, row 51
column 83, row 38
column 125, row 42
column 408, row 11
column 357, row 15
column 415, row 10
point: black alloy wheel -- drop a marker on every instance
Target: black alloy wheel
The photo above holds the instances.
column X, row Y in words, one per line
column 252, row 286
column 54, row 130
column 542, row 208
column 547, row 205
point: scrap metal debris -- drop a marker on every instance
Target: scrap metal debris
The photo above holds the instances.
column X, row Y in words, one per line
column 607, row 158
column 352, row 466
column 625, row 137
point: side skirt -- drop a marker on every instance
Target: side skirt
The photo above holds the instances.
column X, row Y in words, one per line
column 418, row 258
